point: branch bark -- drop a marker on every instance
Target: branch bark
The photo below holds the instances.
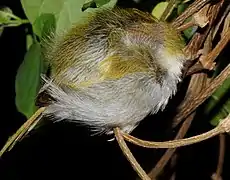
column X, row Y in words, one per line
column 128, row 154
column 219, row 169
column 193, row 8
column 168, row 154
column 223, row 127
column 22, row 131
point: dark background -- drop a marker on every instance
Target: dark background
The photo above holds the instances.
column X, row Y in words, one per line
column 68, row 151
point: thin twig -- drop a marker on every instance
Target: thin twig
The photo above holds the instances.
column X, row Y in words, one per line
column 128, row 154
column 225, row 16
column 217, row 50
column 223, row 127
column 193, row 8
column 217, row 175
column 168, row 154
column 186, row 26
column 22, row 130
column 172, row 166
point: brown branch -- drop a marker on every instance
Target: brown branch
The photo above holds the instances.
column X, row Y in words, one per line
column 208, row 91
column 186, row 26
column 198, row 80
column 226, row 17
column 168, row 154
column 217, row 175
column 196, row 85
column 200, row 19
column 217, row 50
column 22, row 131
column 128, row 154
column 227, row 22
column 224, row 126
column 193, row 8
column 172, row 166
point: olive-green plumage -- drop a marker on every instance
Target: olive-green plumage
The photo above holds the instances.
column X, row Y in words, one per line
column 121, row 55
column 108, row 29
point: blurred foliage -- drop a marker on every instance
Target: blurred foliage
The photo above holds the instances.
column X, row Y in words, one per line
column 159, row 9
column 28, row 80
column 217, row 106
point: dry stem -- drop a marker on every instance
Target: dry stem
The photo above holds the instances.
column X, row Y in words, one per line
column 217, row 50
column 168, row 154
column 219, row 169
column 22, row 130
column 199, row 80
column 223, row 127
column 136, row 166
column 193, row 8
column 202, row 96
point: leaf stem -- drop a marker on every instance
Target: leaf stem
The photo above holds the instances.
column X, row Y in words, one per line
column 14, row 23
column 11, row 15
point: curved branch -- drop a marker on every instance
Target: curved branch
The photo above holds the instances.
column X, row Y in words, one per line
column 128, row 154
column 168, row 154
column 224, row 126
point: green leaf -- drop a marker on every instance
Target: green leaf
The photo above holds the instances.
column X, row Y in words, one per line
column 28, row 81
column 218, row 105
column 29, row 41
column 100, row 3
column 5, row 15
column 217, row 96
column 221, row 114
column 181, row 8
column 190, row 32
column 159, row 9
column 66, row 12
column 70, row 14
column 94, row 4
column 34, row 8
column 90, row 4
column 44, row 24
